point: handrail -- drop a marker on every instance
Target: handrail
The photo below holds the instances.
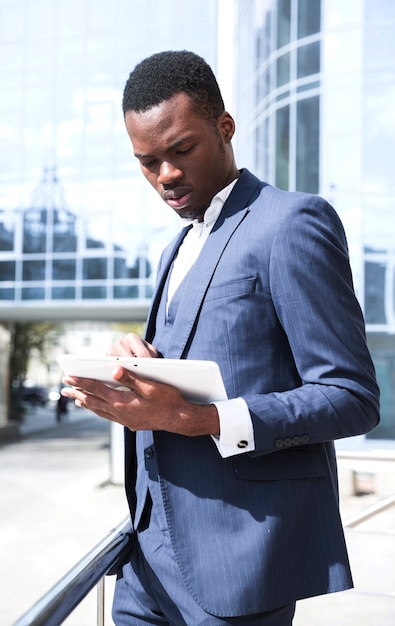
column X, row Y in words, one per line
column 57, row 604
column 382, row 505
column 370, row 511
column 366, row 455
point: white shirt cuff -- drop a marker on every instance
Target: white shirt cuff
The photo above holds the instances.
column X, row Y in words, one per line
column 236, row 430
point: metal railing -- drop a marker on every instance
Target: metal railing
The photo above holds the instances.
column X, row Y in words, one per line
column 378, row 507
column 370, row 511
column 57, row 604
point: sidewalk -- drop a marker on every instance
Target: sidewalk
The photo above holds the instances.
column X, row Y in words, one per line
column 56, row 504
column 37, row 419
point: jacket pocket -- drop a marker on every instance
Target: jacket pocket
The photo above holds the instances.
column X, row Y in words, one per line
column 231, row 289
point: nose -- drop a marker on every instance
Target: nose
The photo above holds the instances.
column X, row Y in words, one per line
column 168, row 174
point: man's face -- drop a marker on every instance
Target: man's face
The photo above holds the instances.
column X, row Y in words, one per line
column 185, row 157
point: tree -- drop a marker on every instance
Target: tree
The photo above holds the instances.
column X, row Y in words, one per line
column 25, row 337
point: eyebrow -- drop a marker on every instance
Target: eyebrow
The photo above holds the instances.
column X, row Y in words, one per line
column 173, row 146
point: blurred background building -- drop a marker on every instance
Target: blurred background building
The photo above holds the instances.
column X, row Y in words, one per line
column 310, row 84
column 314, row 91
column 79, row 229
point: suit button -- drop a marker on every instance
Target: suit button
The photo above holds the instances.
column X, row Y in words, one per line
column 279, row 443
column 287, row 442
column 305, row 439
column 148, row 453
column 296, row 441
column 242, row 444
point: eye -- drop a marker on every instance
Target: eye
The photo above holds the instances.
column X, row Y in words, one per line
column 148, row 163
column 185, row 151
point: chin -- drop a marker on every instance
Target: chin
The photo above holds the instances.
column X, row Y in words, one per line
column 192, row 214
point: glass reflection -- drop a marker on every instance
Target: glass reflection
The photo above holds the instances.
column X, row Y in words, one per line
column 309, row 17
column 283, row 22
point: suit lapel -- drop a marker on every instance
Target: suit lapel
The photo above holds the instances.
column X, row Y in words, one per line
column 199, row 277
column 167, row 259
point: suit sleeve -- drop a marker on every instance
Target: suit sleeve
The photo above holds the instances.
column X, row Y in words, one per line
column 312, row 292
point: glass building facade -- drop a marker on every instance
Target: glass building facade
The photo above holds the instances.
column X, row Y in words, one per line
column 311, row 84
column 49, row 255
column 79, row 225
column 314, row 108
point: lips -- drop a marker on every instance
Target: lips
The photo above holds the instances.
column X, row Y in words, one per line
column 177, row 198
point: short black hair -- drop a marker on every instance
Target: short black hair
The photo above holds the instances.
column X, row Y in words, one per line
column 165, row 74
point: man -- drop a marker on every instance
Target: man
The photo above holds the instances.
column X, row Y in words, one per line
column 234, row 504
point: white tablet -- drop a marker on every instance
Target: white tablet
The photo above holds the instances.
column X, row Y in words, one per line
column 198, row 381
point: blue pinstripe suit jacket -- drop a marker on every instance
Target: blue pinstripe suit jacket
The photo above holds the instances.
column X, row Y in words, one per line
column 271, row 300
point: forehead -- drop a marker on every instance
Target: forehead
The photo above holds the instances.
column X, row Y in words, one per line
column 167, row 122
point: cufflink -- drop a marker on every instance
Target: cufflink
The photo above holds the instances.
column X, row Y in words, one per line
column 242, row 444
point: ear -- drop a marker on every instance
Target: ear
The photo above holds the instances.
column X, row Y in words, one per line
column 226, row 126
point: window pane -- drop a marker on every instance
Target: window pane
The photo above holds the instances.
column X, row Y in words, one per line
column 95, row 293
column 93, row 243
column 309, row 17
column 95, row 269
column 34, row 230
column 63, row 269
column 33, row 270
column 262, row 149
column 283, row 69
column 263, row 40
column 382, row 347
column 307, row 144
column 308, row 59
column 283, row 22
column 282, row 147
column 120, row 269
column 33, row 242
column 6, row 294
column 126, row 292
column 141, row 268
column 7, row 270
column 6, row 238
column 64, row 238
column 63, row 293
column 32, row 293
column 374, row 293
column 263, row 85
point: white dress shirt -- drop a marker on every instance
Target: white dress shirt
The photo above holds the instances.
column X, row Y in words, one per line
column 236, row 431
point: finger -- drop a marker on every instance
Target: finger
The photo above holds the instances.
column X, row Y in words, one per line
column 93, row 387
column 101, row 411
column 144, row 388
column 131, row 381
column 75, row 393
column 114, row 402
column 130, row 345
column 133, row 345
